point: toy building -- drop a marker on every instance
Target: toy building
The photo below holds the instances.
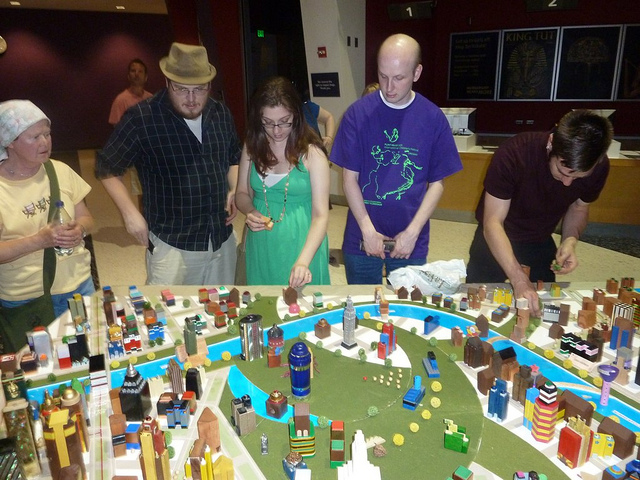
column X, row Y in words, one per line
column 430, row 324
column 154, row 456
column 275, row 341
column 322, row 329
column 251, row 337
column 292, row 464
column 622, row 333
column 571, row 343
column 118, row 427
column 505, row 363
column 300, row 370
column 498, row 401
column 302, row 436
column 359, row 466
column 624, row 438
column 430, row 365
column 477, row 353
column 209, row 430
column 545, row 413
column 243, row 415
column 500, row 313
column 388, row 341
column 456, row 336
column 455, row 437
column 550, row 313
column 416, row 294
column 402, row 293
column 135, row 399
column 276, row 404
column 178, row 413
column 482, row 324
column 349, row 325
column 290, row 295
column 522, row 381
column 63, row 443
column 414, row 396
column 574, row 446
column 174, row 372
column 193, row 382
column 337, row 444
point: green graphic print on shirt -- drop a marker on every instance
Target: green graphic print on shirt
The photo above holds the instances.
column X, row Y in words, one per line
column 394, row 173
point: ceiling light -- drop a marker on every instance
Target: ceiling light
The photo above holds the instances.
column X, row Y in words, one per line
column 120, row 7
column 15, row 4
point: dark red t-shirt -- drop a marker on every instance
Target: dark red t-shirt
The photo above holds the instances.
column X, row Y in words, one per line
column 519, row 171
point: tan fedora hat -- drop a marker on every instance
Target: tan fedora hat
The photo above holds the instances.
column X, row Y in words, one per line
column 187, row 64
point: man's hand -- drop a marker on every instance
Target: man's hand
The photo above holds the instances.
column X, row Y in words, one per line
column 405, row 243
column 374, row 243
column 137, row 227
column 524, row 289
column 566, row 259
column 231, row 208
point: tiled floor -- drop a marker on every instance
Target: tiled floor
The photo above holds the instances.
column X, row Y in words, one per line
column 121, row 262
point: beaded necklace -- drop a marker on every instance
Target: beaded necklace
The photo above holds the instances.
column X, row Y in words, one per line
column 284, row 204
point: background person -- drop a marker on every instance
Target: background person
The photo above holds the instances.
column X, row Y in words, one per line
column 134, row 93
column 283, row 190
column 396, row 148
column 185, row 147
column 315, row 116
column 25, row 146
column 534, row 181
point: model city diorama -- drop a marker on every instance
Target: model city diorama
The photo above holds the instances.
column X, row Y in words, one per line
column 223, row 385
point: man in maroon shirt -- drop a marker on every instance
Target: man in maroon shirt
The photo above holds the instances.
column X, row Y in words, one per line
column 534, row 181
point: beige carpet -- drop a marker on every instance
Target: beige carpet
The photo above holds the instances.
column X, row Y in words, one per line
column 121, row 262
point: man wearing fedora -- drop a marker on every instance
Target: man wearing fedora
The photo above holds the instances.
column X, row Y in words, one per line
column 186, row 150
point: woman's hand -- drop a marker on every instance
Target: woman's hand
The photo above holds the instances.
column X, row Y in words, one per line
column 300, row 275
column 69, row 235
column 256, row 221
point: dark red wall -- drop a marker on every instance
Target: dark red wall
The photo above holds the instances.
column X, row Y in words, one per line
column 459, row 16
column 73, row 64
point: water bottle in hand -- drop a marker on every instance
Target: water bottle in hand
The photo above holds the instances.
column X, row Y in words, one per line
column 61, row 217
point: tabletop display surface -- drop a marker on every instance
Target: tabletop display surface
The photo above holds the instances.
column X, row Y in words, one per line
column 406, row 420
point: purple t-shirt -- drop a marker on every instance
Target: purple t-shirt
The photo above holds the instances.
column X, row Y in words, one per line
column 397, row 153
column 519, row 171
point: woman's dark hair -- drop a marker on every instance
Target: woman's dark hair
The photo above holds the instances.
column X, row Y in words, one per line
column 581, row 139
column 274, row 92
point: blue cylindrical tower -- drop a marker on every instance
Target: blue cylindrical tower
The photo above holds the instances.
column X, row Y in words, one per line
column 300, row 369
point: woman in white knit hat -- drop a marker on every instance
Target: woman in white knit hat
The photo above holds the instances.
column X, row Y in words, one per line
column 25, row 197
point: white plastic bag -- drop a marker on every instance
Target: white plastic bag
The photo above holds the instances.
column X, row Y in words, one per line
column 442, row 276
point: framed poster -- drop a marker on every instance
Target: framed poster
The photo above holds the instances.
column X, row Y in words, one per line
column 527, row 64
column 473, row 61
column 629, row 67
column 588, row 59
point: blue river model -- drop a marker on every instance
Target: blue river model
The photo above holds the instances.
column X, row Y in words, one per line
column 240, row 385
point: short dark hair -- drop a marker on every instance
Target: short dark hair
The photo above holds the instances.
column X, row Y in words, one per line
column 137, row 60
column 581, row 139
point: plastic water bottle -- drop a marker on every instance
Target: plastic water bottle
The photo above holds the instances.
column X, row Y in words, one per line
column 61, row 217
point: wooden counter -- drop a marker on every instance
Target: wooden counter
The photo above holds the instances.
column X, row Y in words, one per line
column 619, row 202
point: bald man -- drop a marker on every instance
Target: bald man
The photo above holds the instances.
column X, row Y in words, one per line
column 395, row 148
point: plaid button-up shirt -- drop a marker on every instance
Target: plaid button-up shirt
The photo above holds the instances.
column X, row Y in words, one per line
column 184, row 181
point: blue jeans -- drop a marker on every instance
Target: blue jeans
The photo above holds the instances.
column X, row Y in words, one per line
column 59, row 300
column 364, row 270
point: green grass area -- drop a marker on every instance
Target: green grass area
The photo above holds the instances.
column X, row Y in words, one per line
column 339, row 392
